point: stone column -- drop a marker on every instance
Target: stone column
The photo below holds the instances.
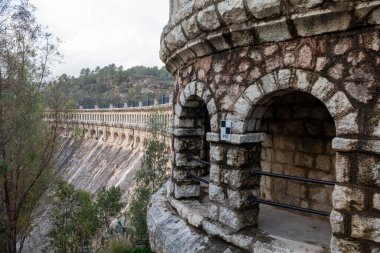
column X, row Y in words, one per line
column 186, row 142
column 232, row 188
column 355, row 219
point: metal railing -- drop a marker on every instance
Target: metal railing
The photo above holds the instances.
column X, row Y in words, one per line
column 256, row 200
column 197, row 159
column 295, row 178
column 198, row 178
column 297, row 208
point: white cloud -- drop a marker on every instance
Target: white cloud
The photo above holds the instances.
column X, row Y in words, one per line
column 98, row 33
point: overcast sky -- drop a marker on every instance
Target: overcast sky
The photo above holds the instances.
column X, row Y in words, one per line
column 101, row 32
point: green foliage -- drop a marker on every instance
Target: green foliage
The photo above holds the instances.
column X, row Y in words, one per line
column 74, row 220
column 123, row 246
column 109, row 204
column 77, row 220
column 26, row 142
column 111, row 85
column 150, row 177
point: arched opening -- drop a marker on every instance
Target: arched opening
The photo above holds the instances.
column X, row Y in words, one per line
column 108, row 135
column 115, row 136
column 194, row 148
column 130, row 140
column 299, row 132
column 92, row 133
column 122, row 138
column 137, row 141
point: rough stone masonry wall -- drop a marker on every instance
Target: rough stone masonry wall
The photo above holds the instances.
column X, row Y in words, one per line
column 236, row 55
column 299, row 136
column 341, row 70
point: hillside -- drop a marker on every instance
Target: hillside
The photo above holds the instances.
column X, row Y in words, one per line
column 111, row 85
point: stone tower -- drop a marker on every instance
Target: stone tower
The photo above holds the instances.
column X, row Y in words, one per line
column 276, row 127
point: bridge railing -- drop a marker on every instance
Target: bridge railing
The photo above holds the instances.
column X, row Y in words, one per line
column 130, row 117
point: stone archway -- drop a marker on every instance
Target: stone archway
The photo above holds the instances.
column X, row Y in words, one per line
column 195, row 114
column 253, row 104
column 285, row 80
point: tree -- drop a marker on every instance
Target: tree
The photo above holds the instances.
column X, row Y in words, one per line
column 74, row 220
column 152, row 175
column 109, row 205
column 26, row 143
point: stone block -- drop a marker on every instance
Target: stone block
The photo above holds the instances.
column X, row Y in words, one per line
column 232, row 11
column 303, row 80
column 237, row 156
column 175, row 38
column 248, row 138
column 238, row 178
column 311, row 145
column 216, row 193
column 323, row 162
column 215, row 173
column 304, row 159
column 344, row 246
column 368, row 170
column 339, row 104
column 187, row 144
column 348, row 198
column 186, row 191
column 337, row 222
column 347, row 124
column 238, row 199
column 306, row 3
column 237, row 220
column 376, row 201
column 375, row 17
column 284, row 142
column 365, row 228
column 286, row 157
column 190, row 27
column 208, row 19
column 296, row 189
column 183, row 122
column 342, row 168
column 213, row 211
column 264, row 8
column 216, row 153
column 241, row 38
column 273, row 31
column 321, row 194
column 181, row 160
column 320, row 22
column 322, row 88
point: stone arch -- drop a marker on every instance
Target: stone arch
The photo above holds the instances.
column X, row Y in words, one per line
column 195, row 115
column 108, row 135
column 201, row 91
column 92, row 133
column 286, row 153
column 287, row 80
column 123, row 137
column 115, row 136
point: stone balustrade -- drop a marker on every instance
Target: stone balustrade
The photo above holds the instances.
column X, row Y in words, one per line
column 125, row 126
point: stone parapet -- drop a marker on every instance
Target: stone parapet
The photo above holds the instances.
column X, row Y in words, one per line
column 204, row 27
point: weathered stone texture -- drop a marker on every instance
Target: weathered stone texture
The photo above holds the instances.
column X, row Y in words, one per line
column 348, row 198
column 305, row 73
column 366, row 228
